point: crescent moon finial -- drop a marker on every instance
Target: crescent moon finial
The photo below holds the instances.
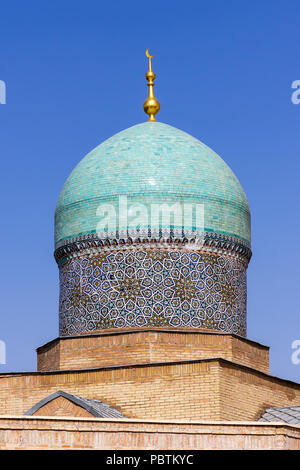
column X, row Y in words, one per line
column 148, row 55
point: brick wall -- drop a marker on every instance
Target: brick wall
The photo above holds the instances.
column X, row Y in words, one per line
column 83, row 433
column 50, row 358
column 169, row 391
column 245, row 394
column 207, row 389
column 139, row 347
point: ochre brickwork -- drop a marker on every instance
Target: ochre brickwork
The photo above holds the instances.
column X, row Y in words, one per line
column 60, row 406
column 83, row 433
column 213, row 389
column 245, row 395
column 50, row 359
column 249, row 353
column 138, row 347
column 179, row 390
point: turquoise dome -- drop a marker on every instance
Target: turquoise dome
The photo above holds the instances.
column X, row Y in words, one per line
column 152, row 163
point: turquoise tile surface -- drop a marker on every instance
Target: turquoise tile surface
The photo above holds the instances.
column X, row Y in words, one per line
column 152, row 163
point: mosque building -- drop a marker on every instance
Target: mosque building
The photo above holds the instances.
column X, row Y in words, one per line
column 152, row 243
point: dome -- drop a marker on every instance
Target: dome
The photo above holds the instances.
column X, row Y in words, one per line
column 152, row 163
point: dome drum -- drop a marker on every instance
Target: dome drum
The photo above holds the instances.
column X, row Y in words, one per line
column 154, row 287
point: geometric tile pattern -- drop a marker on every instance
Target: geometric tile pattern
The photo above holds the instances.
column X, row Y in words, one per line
column 158, row 287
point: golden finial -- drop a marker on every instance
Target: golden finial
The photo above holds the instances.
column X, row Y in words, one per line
column 151, row 105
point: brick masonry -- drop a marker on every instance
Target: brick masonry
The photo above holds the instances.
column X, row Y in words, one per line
column 207, row 389
column 42, row 433
column 137, row 347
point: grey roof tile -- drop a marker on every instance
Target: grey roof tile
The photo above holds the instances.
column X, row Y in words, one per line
column 287, row 414
column 95, row 407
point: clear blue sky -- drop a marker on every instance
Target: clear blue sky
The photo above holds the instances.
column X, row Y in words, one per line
column 75, row 76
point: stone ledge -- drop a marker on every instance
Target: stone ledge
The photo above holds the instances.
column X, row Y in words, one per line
column 188, row 422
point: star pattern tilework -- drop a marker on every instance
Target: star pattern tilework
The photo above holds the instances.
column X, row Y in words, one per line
column 146, row 288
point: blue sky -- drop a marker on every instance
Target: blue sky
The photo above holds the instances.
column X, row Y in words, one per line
column 74, row 73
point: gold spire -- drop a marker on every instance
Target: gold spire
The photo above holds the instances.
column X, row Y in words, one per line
column 151, row 105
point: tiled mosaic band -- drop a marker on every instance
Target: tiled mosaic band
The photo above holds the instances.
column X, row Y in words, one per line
column 140, row 287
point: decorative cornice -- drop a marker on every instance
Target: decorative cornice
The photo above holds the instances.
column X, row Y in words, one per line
column 210, row 242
